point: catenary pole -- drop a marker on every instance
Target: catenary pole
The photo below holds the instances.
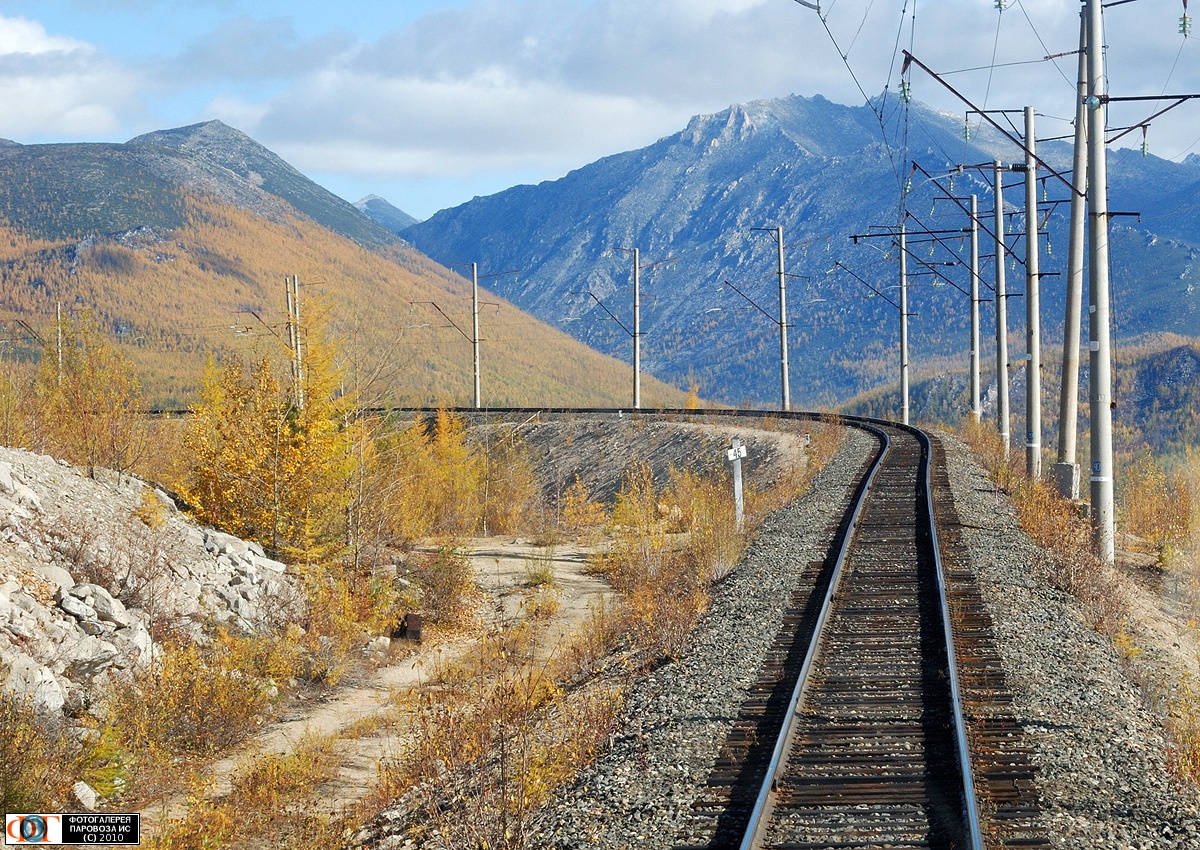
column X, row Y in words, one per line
column 1033, row 332
column 637, row 331
column 1066, row 470
column 1001, row 312
column 976, row 407
column 1100, row 378
column 904, row 406
column 475, row 329
column 783, row 327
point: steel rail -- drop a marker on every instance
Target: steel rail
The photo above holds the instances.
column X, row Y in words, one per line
column 760, row 815
column 970, row 803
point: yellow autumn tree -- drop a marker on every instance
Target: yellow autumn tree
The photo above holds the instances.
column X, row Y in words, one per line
column 267, row 468
column 88, row 410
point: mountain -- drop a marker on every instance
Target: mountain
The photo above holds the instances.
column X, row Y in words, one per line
column 108, row 187
column 384, row 214
column 178, row 241
column 693, row 204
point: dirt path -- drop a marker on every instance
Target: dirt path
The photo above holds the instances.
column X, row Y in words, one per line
column 503, row 569
column 519, row 581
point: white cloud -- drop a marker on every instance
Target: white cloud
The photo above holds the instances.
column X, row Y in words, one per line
column 19, row 36
column 453, row 127
column 58, row 87
column 540, row 86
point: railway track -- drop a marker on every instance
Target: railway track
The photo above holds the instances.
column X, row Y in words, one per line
column 857, row 734
column 881, row 717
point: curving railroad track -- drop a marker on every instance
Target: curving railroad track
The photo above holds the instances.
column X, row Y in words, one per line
column 880, row 718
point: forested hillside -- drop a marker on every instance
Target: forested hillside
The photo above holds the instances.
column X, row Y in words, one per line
column 178, row 243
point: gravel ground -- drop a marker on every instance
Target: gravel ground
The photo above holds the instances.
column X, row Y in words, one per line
column 640, row 793
column 1100, row 752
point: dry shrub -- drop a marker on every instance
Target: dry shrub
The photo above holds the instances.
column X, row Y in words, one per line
column 1183, row 727
column 86, row 406
column 190, row 700
column 1054, row 524
column 438, row 583
column 273, row 805
column 39, row 759
column 664, row 609
column 490, row 745
column 339, row 616
column 429, row 480
column 1154, row 504
column 581, row 516
column 1050, row 520
column 986, row 445
column 539, row 567
column 664, row 585
column 593, row 641
column 130, row 559
column 704, row 510
column 16, row 388
column 510, row 492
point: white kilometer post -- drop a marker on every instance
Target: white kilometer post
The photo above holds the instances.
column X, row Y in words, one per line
column 736, row 452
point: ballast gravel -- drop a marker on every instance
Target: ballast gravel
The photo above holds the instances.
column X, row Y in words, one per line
column 1099, row 750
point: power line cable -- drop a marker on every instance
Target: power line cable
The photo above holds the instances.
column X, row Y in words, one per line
column 1066, row 79
column 877, row 112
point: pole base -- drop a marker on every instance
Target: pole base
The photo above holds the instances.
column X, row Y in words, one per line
column 1066, row 480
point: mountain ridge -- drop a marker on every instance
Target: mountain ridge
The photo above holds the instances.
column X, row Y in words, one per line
column 177, row 243
column 822, row 171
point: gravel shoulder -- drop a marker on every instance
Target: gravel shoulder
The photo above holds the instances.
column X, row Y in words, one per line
column 1099, row 749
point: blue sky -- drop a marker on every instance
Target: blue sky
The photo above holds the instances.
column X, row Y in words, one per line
column 431, row 102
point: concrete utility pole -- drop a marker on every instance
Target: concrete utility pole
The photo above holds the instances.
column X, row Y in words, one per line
column 637, row 330
column 1066, row 470
column 1001, row 312
column 904, row 408
column 58, row 322
column 1033, row 321
column 785, row 386
column 976, row 406
column 475, row 328
column 1100, row 383
column 783, row 326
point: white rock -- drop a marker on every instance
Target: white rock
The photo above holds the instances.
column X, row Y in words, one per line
column 6, row 478
column 108, row 610
column 56, row 575
column 265, row 563
column 138, row 637
column 29, row 679
column 86, row 795
column 88, row 657
column 167, row 501
column 27, row 497
column 77, row 608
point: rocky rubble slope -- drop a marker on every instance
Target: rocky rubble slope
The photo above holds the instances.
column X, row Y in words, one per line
column 92, row 570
